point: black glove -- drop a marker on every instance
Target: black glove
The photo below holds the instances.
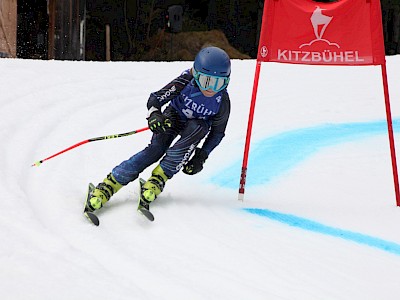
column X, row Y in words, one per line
column 158, row 122
column 195, row 165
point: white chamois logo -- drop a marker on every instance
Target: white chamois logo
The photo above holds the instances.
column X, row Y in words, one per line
column 319, row 23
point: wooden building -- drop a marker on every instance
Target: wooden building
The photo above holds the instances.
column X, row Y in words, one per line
column 8, row 28
column 42, row 29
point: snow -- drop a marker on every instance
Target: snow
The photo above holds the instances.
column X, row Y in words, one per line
column 319, row 218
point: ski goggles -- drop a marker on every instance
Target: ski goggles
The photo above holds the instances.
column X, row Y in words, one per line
column 206, row 81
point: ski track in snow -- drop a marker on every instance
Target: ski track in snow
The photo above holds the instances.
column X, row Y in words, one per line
column 203, row 244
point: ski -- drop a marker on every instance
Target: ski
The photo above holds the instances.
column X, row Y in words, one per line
column 95, row 220
column 143, row 210
column 90, row 215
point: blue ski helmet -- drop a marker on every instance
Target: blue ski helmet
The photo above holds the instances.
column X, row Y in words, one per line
column 213, row 61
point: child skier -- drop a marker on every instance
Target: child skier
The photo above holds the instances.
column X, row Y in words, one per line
column 198, row 107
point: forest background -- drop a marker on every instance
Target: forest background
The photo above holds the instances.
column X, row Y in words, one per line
column 140, row 29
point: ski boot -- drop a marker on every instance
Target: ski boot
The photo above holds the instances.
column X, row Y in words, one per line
column 102, row 193
column 150, row 189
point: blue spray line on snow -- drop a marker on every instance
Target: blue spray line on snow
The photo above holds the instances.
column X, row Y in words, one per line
column 278, row 154
column 313, row 226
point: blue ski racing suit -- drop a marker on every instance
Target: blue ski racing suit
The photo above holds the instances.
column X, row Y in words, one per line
column 193, row 117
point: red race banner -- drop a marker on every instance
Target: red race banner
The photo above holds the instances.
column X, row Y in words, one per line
column 318, row 32
column 345, row 32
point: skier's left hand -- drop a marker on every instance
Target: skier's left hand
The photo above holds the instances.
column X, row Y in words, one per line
column 195, row 165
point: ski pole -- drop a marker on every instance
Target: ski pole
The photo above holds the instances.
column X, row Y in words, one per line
column 107, row 137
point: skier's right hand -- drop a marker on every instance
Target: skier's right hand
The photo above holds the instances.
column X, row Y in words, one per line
column 158, row 122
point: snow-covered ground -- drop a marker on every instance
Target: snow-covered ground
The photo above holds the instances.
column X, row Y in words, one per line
column 319, row 219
